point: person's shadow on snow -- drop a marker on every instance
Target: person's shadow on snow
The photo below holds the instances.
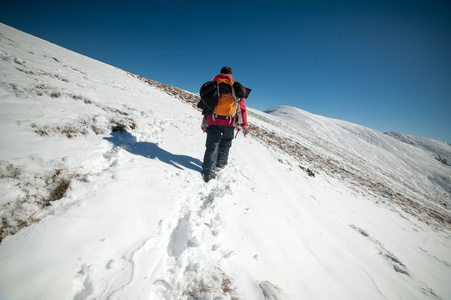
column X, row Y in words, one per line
column 151, row 150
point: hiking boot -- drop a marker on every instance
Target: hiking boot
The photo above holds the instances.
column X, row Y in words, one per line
column 207, row 176
column 221, row 166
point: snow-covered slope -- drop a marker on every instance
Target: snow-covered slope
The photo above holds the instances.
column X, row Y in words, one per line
column 101, row 197
column 405, row 168
column 438, row 149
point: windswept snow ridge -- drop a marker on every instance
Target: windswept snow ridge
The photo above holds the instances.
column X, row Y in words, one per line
column 441, row 151
column 101, row 196
column 414, row 175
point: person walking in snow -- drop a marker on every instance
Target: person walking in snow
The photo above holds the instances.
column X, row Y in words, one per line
column 224, row 109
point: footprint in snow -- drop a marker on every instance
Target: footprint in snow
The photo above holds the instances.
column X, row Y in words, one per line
column 159, row 289
column 180, row 237
column 270, row 291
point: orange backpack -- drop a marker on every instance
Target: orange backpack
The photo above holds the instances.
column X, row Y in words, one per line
column 227, row 105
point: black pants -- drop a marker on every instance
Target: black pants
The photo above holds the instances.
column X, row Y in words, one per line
column 219, row 141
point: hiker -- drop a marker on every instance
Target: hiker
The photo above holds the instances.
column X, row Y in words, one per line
column 224, row 108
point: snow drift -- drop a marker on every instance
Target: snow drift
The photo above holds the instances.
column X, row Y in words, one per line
column 101, row 196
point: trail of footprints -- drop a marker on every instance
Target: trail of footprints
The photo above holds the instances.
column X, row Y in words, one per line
column 398, row 266
column 194, row 251
column 197, row 260
column 185, row 260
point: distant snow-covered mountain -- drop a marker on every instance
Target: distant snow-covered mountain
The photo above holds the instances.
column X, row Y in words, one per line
column 101, row 195
column 410, row 166
column 440, row 150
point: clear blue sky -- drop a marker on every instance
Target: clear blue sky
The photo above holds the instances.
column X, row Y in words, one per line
column 382, row 64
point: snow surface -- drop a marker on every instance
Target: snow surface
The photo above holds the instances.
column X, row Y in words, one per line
column 138, row 222
column 413, row 170
column 438, row 150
